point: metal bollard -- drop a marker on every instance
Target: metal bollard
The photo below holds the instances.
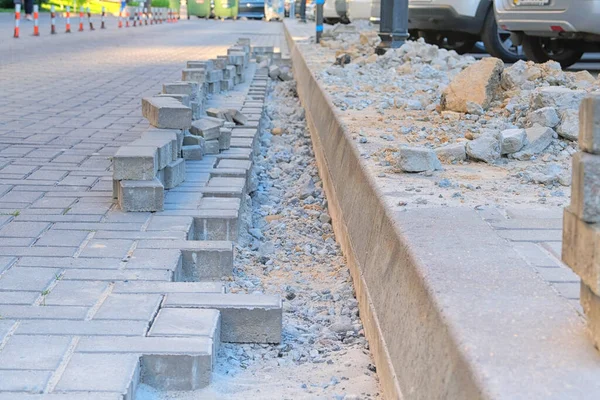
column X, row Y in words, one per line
column 140, row 16
column 89, row 17
column 17, row 20
column 68, row 20
column 145, row 16
column 103, row 18
column 81, row 19
column 52, row 20
column 126, row 19
column 36, row 15
column 120, row 25
column 320, row 4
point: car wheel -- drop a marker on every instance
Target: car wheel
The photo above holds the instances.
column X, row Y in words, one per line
column 540, row 50
column 497, row 41
column 460, row 45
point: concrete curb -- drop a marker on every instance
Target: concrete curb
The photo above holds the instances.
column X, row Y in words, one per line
column 450, row 310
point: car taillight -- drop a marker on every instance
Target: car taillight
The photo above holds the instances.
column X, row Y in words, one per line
column 556, row 28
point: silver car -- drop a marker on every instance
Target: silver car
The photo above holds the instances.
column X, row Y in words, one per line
column 560, row 30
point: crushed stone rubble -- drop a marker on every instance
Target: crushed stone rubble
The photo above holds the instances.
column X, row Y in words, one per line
column 287, row 246
column 418, row 106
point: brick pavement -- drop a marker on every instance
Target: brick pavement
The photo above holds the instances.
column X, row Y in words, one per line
column 81, row 282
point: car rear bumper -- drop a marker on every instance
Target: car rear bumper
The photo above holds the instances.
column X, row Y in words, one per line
column 251, row 10
column 549, row 20
column 442, row 18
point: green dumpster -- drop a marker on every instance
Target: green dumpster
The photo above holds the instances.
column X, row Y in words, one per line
column 199, row 8
column 226, row 8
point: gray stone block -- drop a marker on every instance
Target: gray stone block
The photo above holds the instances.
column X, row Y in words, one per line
column 589, row 124
column 229, row 72
column 52, row 327
column 160, row 175
column 182, row 98
column 141, row 307
column 207, row 127
column 192, row 152
column 216, row 113
column 163, row 145
column 165, row 112
column 590, row 302
column 585, row 188
column 245, row 318
column 141, row 195
column 217, row 223
column 197, row 109
column 220, row 62
column 182, row 87
column 171, row 134
column 193, row 140
column 197, row 75
column 135, row 163
column 236, row 58
column 174, row 173
column 146, row 287
column 227, row 85
column 203, row 64
column 214, row 76
column 213, row 88
column 224, row 138
column 237, row 116
column 42, row 352
column 211, row 146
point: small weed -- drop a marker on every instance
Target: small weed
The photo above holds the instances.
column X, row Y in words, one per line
column 44, row 294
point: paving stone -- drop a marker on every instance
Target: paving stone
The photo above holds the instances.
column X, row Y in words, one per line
column 222, row 191
column 18, row 298
column 202, row 260
column 171, row 134
column 69, row 262
column 164, row 147
column 192, row 152
column 536, row 255
column 26, row 278
column 105, row 248
column 197, row 75
column 23, row 381
column 140, row 235
column 83, row 328
column 75, row 293
column 182, row 98
column 141, row 195
column 174, row 173
column 181, row 87
column 589, row 126
column 129, row 307
column 166, row 113
column 162, row 259
column 168, row 287
column 117, row 275
column 43, row 312
column 135, row 163
column 43, row 353
column 585, row 189
column 528, row 235
column 101, row 372
column 171, row 223
column 224, row 139
column 62, row 238
column 62, row 396
column 245, row 318
column 211, row 146
column 207, row 127
column 23, row 229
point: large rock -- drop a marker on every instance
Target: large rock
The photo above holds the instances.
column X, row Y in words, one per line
column 512, row 140
column 539, row 137
column 557, row 97
column 417, row 159
column 451, row 153
column 545, row 116
column 569, row 124
column 514, row 76
column 477, row 83
column 486, row 147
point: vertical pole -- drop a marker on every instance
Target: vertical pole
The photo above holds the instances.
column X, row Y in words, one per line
column 140, row 15
column 135, row 17
column 36, row 15
column 81, row 19
column 151, row 15
column 145, row 16
column 52, row 20
column 303, row 11
column 126, row 19
column 120, row 24
column 89, row 17
column 103, row 18
column 68, row 21
column 292, row 10
column 17, row 20
column 320, row 4
column 393, row 24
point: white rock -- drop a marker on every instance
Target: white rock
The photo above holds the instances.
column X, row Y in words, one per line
column 513, row 140
column 557, row 97
column 486, row 147
column 569, row 124
column 417, row 159
column 545, row 116
column 451, row 152
column 539, row 137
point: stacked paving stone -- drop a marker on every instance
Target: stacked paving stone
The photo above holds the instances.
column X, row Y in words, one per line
column 581, row 233
column 139, row 302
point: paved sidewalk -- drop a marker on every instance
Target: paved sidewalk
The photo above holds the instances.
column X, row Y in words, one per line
column 68, row 256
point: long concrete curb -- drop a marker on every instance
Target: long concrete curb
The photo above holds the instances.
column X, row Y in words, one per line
column 450, row 310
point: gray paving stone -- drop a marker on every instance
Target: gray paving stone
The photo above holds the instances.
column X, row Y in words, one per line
column 192, row 152
column 5, row 327
column 171, row 223
column 23, row 381
column 23, row 229
column 62, row 238
column 141, row 307
column 38, row 251
column 75, row 293
column 559, row 274
column 117, row 275
column 244, row 317
column 69, row 262
column 83, row 328
column 161, row 259
column 184, row 322
column 30, row 279
column 528, row 235
column 101, row 372
column 18, row 298
column 166, row 113
column 135, row 163
column 168, row 287
column 43, row 352
column 62, row 396
column 141, row 195
column 43, row 312
column 174, row 173
column 164, row 147
column 113, row 248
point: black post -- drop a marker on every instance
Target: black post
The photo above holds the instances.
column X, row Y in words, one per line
column 393, row 24
column 302, row 10
column 320, row 4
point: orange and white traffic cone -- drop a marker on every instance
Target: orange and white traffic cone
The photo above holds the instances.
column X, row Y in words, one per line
column 81, row 19
column 103, row 18
column 52, row 20
column 126, row 19
column 36, row 25
column 17, row 20
column 68, row 22
column 89, row 17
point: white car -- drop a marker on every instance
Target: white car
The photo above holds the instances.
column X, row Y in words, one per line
column 559, row 30
column 459, row 24
column 334, row 11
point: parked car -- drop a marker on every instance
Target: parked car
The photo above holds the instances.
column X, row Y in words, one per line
column 334, row 11
column 559, row 30
column 459, row 24
column 252, row 9
column 358, row 9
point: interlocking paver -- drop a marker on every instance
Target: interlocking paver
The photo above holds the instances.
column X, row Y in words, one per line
column 43, row 352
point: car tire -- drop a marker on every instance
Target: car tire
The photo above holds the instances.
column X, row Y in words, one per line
column 535, row 49
column 496, row 41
